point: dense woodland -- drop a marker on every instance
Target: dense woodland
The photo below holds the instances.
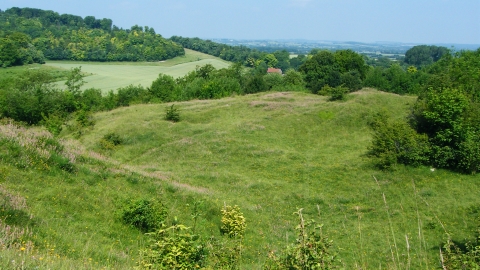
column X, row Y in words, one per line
column 249, row 57
column 30, row 35
column 442, row 129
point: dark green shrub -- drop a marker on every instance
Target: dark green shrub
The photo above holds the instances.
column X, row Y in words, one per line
column 85, row 118
column 293, row 77
column 164, row 88
column 273, row 79
column 451, row 122
column 92, row 99
column 255, row 84
column 53, row 123
column 132, row 94
column 338, row 93
column 351, row 80
column 172, row 114
column 394, row 141
column 145, row 215
column 114, row 138
column 193, row 89
column 110, row 140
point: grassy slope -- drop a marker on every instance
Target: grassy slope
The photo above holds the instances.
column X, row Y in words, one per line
column 273, row 153
column 269, row 153
column 111, row 76
column 12, row 72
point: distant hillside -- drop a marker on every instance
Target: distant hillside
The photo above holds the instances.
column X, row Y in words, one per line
column 45, row 34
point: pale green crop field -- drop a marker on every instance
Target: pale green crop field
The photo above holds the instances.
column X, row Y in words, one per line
column 111, row 76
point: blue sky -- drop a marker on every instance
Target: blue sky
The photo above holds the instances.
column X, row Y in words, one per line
column 409, row 21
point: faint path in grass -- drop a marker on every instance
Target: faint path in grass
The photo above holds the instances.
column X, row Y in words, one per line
column 111, row 76
column 77, row 149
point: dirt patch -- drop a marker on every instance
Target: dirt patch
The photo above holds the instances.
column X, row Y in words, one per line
column 270, row 105
column 278, row 94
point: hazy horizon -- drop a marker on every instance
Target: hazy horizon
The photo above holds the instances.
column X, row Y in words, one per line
column 408, row 21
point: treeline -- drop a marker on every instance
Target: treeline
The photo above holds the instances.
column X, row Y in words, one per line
column 49, row 35
column 248, row 57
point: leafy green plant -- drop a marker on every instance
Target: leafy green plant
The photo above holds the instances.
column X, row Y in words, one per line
column 53, row 123
column 173, row 248
column 85, row 118
column 233, row 221
column 145, row 215
column 452, row 257
column 224, row 254
column 172, row 114
column 310, row 251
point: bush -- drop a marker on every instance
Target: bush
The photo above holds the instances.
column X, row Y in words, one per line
column 85, row 118
column 110, row 141
column 233, row 221
column 173, row 248
column 338, row 93
column 172, row 114
column 164, row 88
column 394, row 141
column 273, row 79
column 132, row 94
column 255, row 84
column 452, row 123
column 92, row 99
column 145, row 215
column 53, row 123
column 351, row 80
column 293, row 77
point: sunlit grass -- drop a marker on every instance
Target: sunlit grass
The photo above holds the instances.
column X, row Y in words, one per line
column 113, row 75
column 268, row 153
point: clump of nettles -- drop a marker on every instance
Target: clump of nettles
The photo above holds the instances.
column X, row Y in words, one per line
column 172, row 114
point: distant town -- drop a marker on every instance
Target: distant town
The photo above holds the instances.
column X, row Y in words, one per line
column 392, row 50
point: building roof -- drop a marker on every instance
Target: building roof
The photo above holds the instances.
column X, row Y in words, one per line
column 274, row 70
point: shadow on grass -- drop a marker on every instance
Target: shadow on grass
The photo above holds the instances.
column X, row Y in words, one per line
column 16, row 217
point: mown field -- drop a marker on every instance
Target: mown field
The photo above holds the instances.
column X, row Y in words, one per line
column 269, row 153
column 111, row 76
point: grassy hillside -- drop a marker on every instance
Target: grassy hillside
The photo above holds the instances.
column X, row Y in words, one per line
column 111, row 76
column 268, row 153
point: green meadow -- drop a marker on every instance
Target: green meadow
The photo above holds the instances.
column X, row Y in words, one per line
column 111, row 76
column 269, row 153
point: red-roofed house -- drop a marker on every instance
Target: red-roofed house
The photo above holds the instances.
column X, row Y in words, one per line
column 274, row 70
